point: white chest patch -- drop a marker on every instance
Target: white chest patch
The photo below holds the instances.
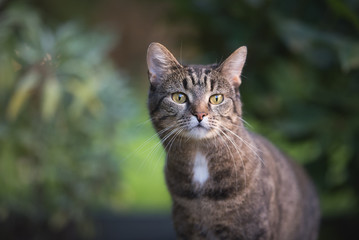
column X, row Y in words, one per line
column 200, row 169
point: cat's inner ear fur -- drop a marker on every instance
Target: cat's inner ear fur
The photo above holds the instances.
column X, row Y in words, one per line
column 232, row 67
column 160, row 62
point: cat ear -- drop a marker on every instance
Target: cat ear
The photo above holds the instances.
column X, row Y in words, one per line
column 232, row 67
column 160, row 62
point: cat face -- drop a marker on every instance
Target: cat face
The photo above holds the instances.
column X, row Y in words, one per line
column 193, row 101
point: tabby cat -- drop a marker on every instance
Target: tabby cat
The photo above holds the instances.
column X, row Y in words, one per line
column 225, row 182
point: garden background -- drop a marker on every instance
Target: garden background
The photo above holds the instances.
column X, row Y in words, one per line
column 78, row 156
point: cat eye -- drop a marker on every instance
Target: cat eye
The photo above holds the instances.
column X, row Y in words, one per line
column 179, row 98
column 216, row 99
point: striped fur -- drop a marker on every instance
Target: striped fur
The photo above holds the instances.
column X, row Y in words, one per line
column 225, row 182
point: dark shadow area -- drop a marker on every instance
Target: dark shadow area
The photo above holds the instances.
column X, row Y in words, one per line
column 134, row 227
column 106, row 226
column 333, row 228
column 110, row 226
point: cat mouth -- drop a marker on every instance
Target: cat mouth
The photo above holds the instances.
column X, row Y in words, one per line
column 199, row 126
column 198, row 132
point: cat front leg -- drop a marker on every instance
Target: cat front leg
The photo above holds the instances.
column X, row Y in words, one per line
column 186, row 225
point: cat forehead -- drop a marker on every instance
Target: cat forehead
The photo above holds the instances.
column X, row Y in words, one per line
column 196, row 75
column 202, row 78
column 199, row 70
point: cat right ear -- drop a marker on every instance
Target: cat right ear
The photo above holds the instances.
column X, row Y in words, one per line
column 160, row 62
column 232, row 67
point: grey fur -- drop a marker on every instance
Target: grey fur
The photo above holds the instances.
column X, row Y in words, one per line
column 253, row 190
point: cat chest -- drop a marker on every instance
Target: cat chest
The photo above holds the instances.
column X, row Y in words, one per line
column 200, row 170
column 198, row 176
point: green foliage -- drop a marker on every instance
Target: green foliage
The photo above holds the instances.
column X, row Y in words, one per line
column 300, row 84
column 60, row 107
column 143, row 188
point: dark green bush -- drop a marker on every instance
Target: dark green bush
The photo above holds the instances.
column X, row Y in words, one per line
column 60, row 106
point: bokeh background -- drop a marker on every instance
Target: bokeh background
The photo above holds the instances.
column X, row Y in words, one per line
column 78, row 156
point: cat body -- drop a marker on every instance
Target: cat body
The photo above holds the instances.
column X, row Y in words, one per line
column 225, row 182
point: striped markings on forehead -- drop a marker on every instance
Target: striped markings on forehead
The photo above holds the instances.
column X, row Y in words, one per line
column 198, row 77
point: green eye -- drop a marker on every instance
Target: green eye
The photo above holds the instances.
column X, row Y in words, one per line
column 179, row 98
column 216, row 99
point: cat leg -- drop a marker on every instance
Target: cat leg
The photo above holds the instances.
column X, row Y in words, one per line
column 185, row 225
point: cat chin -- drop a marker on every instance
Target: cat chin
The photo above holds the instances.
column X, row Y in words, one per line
column 199, row 133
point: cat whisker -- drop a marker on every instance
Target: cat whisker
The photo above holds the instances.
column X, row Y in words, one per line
column 243, row 165
column 241, row 139
column 254, row 149
column 144, row 122
column 154, row 149
column 173, row 139
column 139, row 148
column 246, row 123
column 157, row 146
column 166, row 148
column 239, row 153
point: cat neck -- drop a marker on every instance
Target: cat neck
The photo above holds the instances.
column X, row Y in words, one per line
column 234, row 147
column 196, row 168
column 237, row 141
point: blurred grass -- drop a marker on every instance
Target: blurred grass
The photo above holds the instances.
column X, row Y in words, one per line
column 142, row 187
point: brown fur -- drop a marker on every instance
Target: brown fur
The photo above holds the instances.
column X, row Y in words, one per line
column 253, row 191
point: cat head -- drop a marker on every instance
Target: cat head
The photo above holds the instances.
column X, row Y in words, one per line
column 194, row 101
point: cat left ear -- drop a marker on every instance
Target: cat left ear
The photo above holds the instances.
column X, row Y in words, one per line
column 232, row 67
column 160, row 62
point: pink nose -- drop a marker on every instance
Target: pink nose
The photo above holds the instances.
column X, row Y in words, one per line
column 200, row 116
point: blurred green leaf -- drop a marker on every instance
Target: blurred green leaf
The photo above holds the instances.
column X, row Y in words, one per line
column 51, row 97
column 341, row 201
column 339, row 160
column 318, row 46
column 341, row 9
column 349, row 56
column 7, row 71
column 85, row 96
column 24, row 89
column 63, row 100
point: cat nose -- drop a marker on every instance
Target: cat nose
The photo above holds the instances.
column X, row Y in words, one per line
column 200, row 115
